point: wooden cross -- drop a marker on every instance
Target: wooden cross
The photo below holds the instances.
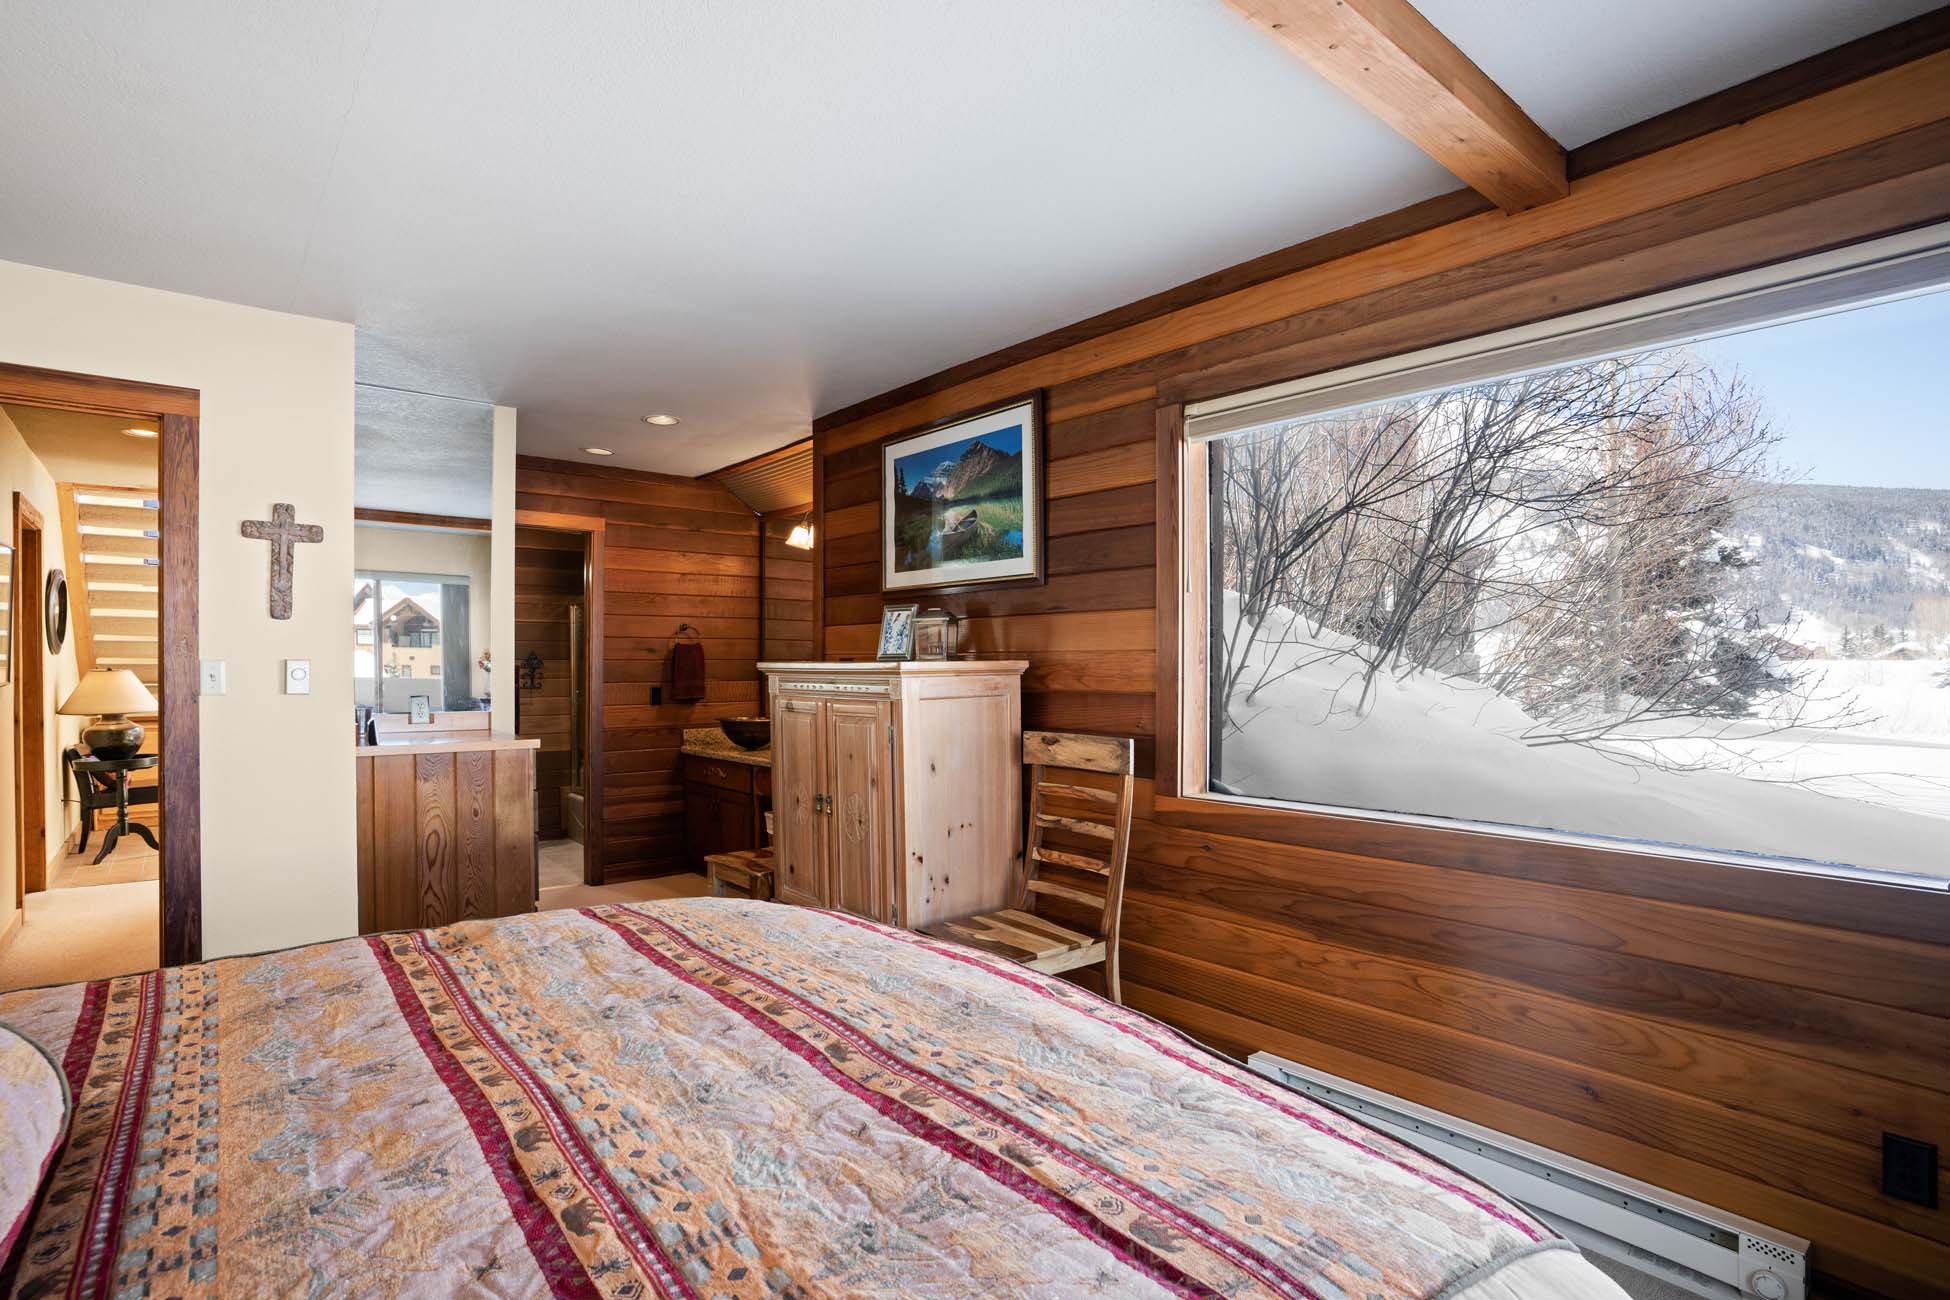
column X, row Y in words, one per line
column 282, row 530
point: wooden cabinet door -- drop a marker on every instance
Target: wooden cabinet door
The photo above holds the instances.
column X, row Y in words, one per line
column 700, row 815
column 798, row 785
column 859, row 866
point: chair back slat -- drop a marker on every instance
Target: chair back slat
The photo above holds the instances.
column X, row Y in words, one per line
column 1110, row 754
column 1079, row 793
column 1078, row 826
column 1053, row 889
column 1074, row 861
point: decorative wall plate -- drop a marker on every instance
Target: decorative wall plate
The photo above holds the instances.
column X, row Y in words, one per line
column 55, row 615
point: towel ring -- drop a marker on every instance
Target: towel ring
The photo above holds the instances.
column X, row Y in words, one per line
column 686, row 635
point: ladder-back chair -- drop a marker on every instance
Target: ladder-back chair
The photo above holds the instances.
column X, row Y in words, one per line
column 1078, row 839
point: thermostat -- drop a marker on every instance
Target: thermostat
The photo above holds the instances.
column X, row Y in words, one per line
column 297, row 677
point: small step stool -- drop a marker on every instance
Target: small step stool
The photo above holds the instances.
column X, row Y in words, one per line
column 745, row 874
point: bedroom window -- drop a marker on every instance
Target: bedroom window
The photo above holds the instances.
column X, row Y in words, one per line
column 1676, row 573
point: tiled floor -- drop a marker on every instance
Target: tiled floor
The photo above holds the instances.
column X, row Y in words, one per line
column 561, row 863
column 133, row 860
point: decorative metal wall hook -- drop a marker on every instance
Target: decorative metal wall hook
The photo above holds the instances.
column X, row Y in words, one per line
column 528, row 673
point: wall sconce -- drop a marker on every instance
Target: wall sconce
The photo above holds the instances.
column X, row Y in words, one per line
column 801, row 536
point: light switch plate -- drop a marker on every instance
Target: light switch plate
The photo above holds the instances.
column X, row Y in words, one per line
column 297, row 677
column 216, row 680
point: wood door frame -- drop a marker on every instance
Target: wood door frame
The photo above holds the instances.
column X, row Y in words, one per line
column 30, row 699
column 593, row 528
column 180, row 917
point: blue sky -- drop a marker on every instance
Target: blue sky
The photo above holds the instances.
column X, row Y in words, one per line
column 1859, row 395
column 923, row 463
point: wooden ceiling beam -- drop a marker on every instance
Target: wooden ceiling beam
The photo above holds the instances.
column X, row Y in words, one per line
column 1394, row 62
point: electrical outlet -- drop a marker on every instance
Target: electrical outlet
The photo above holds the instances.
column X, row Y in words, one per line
column 216, row 679
column 1909, row 1170
column 656, row 695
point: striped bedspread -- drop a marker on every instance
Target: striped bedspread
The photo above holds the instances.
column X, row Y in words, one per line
column 709, row 1098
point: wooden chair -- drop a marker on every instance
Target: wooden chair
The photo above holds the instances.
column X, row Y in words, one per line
column 1093, row 830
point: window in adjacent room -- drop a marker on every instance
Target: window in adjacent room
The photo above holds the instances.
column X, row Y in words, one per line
column 407, row 629
column 1675, row 574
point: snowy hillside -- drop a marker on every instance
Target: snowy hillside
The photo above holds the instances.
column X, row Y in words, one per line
column 1426, row 743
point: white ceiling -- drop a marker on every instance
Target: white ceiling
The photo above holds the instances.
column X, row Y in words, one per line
column 746, row 212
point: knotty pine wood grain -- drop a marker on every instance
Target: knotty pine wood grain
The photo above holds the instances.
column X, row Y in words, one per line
column 1663, row 1018
column 676, row 551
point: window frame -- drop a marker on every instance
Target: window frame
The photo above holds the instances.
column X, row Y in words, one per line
column 1790, row 889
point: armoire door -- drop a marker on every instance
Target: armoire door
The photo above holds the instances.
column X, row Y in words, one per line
column 798, row 795
column 859, row 872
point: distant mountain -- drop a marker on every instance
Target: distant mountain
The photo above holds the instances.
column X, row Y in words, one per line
column 1849, row 561
column 979, row 472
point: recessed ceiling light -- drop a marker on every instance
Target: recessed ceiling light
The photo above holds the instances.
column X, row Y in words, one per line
column 140, row 433
column 599, row 451
column 663, row 420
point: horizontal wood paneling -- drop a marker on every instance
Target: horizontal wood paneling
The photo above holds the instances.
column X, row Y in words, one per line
column 676, row 551
column 1737, row 1036
column 788, row 617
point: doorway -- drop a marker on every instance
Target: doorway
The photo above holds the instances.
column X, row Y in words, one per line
column 559, row 673
column 141, row 556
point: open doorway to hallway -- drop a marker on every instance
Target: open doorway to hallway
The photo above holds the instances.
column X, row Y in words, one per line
column 83, row 660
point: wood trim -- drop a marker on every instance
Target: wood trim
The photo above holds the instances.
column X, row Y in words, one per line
column 181, row 747
column 180, row 917
column 365, row 516
column 594, row 529
column 547, row 465
column 1870, row 56
column 93, row 394
column 30, row 703
column 794, row 448
column 1761, row 888
column 1396, row 64
column 1819, row 73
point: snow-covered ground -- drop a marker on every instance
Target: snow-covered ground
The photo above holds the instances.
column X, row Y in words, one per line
column 1433, row 745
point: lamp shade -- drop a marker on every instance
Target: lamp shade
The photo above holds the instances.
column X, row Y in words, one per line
column 108, row 690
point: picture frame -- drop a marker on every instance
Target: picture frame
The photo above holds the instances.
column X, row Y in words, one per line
column 935, row 634
column 962, row 500
column 896, row 632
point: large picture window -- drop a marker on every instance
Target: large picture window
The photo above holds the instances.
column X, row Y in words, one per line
column 1691, row 592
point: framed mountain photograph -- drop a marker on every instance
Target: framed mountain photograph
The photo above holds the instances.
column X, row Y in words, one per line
column 962, row 501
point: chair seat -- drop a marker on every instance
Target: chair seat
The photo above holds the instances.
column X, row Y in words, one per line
column 1021, row 937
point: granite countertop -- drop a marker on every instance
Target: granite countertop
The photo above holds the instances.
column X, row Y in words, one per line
column 443, row 742
column 709, row 742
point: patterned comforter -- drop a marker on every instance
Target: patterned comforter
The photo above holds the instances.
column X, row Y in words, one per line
column 709, row 1098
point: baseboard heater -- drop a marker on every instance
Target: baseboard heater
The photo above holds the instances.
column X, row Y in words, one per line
column 1710, row 1252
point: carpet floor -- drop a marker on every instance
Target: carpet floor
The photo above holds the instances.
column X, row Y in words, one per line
column 689, row 884
column 82, row 934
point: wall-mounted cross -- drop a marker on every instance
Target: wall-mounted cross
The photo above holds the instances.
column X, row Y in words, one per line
column 282, row 530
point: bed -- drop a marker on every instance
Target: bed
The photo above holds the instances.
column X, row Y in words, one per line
column 709, row 1098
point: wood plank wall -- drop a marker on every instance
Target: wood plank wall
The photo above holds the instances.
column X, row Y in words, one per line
column 1736, row 1048
column 678, row 551
column 788, row 621
column 548, row 579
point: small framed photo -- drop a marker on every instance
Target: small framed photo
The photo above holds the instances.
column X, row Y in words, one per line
column 422, row 709
column 935, row 634
column 897, row 632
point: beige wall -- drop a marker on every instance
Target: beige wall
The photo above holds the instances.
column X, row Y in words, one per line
column 443, row 554
column 502, row 639
column 21, row 471
column 278, row 802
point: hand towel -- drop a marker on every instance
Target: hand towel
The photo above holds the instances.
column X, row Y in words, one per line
column 687, row 674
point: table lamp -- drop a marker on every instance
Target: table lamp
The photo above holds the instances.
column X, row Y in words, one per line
column 109, row 695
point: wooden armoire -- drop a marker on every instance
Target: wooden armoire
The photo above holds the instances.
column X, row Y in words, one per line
column 897, row 787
